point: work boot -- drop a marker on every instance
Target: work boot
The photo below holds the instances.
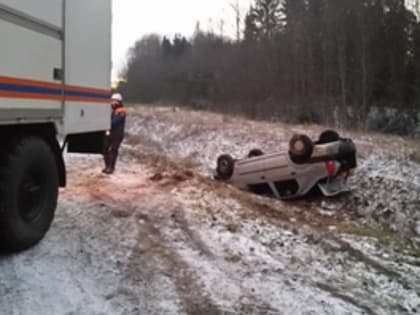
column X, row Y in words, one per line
column 108, row 171
column 107, row 160
column 112, row 161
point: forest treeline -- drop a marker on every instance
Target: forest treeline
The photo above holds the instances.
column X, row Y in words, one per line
column 344, row 62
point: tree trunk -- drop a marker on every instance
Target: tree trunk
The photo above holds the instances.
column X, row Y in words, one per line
column 364, row 79
column 342, row 64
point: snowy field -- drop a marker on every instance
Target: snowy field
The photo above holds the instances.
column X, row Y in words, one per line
column 161, row 237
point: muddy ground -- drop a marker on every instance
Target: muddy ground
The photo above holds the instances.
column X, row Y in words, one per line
column 161, row 237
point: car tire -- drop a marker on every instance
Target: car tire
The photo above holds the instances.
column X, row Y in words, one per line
column 255, row 153
column 300, row 148
column 28, row 195
column 328, row 136
column 225, row 167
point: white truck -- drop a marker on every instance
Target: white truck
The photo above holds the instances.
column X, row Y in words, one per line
column 55, row 66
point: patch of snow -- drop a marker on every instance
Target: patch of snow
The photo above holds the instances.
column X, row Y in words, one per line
column 417, row 228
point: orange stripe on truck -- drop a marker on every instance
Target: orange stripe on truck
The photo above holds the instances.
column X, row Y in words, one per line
column 26, row 89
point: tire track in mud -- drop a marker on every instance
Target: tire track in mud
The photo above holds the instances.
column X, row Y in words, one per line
column 152, row 256
column 159, row 254
column 279, row 214
column 157, row 250
column 345, row 297
column 195, row 300
column 248, row 302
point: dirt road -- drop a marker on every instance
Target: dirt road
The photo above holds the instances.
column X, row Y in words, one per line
column 160, row 237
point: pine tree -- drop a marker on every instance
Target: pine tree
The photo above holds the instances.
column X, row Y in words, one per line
column 263, row 21
column 251, row 31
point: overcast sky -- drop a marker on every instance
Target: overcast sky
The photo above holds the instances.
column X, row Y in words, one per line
column 134, row 18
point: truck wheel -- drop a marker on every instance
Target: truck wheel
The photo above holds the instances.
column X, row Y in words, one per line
column 28, row 195
column 255, row 153
column 328, row 136
column 225, row 167
column 300, row 148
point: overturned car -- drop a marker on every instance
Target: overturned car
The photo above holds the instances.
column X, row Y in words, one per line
column 325, row 163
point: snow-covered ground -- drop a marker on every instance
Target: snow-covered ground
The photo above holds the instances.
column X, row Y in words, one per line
column 386, row 183
column 160, row 237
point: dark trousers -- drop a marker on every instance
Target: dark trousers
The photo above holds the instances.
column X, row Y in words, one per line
column 112, row 146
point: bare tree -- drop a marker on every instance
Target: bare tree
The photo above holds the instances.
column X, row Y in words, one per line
column 222, row 28
column 291, row 57
column 414, row 5
column 238, row 19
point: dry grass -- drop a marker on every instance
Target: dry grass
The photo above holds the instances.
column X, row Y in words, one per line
column 415, row 153
column 227, row 119
column 214, row 120
column 385, row 237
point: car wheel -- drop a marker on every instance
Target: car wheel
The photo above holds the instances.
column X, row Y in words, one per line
column 28, row 195
column 300, row 148
column 255, row 153
column 328, row 136
column 225, row 167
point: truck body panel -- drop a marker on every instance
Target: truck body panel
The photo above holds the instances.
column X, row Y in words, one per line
column 56, row 65
column 27, row 64
column 47, row 11
column 87, row 64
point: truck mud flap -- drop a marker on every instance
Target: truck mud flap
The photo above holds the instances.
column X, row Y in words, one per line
column 92, row 143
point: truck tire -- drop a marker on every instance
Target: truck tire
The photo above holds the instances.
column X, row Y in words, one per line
column 28, row 194
column 300, row 148
column 225, row 167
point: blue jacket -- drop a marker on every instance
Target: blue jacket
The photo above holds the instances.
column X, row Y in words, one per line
column 118, row 122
